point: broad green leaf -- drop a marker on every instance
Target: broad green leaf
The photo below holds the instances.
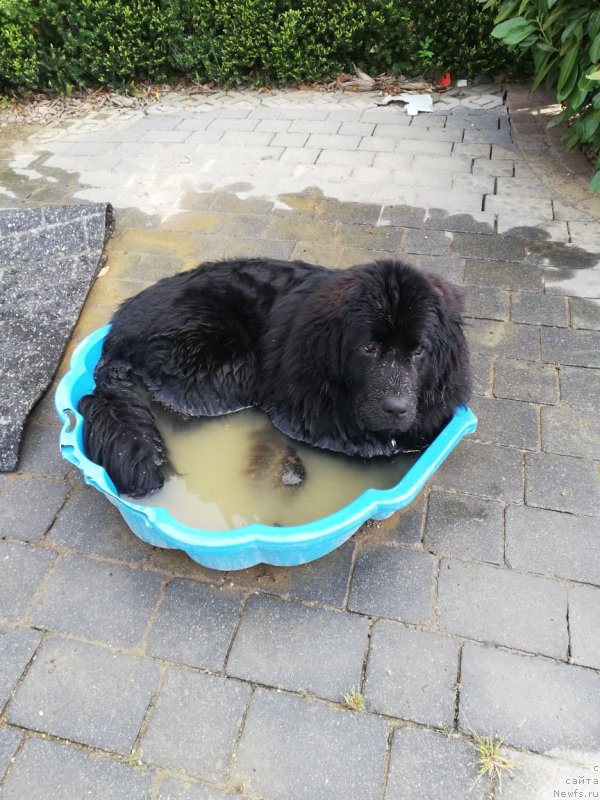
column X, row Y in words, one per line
column 596, row 100
column 512, row 26
column 595, row 49
column 594, row 76
column 595, row 184
column 589, row 124
column 568, row 69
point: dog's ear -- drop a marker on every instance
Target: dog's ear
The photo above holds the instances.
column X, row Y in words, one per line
column 450, row 295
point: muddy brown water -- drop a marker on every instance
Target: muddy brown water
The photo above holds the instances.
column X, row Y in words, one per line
column 235, row 470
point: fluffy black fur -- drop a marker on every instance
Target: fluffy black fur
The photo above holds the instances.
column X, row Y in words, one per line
column 367, row 361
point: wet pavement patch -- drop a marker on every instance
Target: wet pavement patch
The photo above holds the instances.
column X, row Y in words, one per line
column 49, row 257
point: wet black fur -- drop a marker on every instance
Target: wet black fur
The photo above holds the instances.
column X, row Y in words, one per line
column 366, row 361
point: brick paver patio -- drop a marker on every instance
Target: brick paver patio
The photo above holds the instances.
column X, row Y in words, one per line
column 132, row 672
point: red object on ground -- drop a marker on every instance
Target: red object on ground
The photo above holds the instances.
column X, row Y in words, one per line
column 445, row 80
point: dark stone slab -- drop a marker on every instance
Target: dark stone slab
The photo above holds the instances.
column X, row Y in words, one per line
column 411, row 674
column 499, row 605
column 485, row 470
column 539, row 309
column 486, row 303
column 10, row 739
column 195, row 724
column 503, row 275
column 393, row 582
column 96, row 600
column 48, row 268
column 175, row 789
column 528, row 701
column 404, row 216
column 480, row 371
column 29, row 505
column 574, row 348
column 294, row 749
column 498, row 248
column 17, row 645
column 21, row 569
column 427, row 242
column 403, row 527
column 85, row 693
column 571, row 432
column 580, row 388
column 40, row 452
column 277, row 641
column 449, row 267
column 459, row 223
column 507, row 422
column 585, row 313
column 584, row 625
column 525, row 380
column 195, row 623
column 503, row 339
column 466, row 527
column 428, row 764
column 562, row 484
column 46, row 770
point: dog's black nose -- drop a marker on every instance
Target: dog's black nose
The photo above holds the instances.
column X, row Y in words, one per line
column 397, row 406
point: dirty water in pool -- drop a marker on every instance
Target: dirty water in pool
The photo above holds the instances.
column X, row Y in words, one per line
column 232, row 471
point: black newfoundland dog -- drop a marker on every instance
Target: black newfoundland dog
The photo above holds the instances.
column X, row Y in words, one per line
column 367, row 361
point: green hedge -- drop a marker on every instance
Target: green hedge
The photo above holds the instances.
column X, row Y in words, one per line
column 62, row 44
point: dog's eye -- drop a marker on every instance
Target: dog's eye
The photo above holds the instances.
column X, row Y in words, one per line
column 419, row 350
column 369, row 347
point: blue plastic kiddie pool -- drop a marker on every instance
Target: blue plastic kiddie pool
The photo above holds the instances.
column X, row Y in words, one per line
column 257, row 543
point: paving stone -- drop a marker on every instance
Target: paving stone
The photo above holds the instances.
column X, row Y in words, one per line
column 511, row 423
column 40, row 453
column 449, row 267
column 320, row 127
column 580, row 387
column 421, row 146
column 174, row 789
column 10, row 739
column 299, row 229
column 584, row 625
column 195, row 724
column 574, row 348
column 482, row 469
column 403, row 527
column 434, row 243
column 480, row 373
column 356, row 213
column 528, row 701
column 405, row 216
column 295, row 153
column 377, row 144
column 393, row 582
column 497, row 167
column 449, row 200
column 325, row 141
column 585, row 313
column 90, row 524
column 21, row 569
column 535, row 776
column 276, row 642
column 538, row 309
column 498, row 248
column 78, row 691
column 294, row 749
column 429, row 764
column 503, row 339
column 257, row 248
column 521, row 186
column 562, row 484
column 195, row 623
column 476, row 222
column 503, row 275
column 571, row 432
column 46, row 770
column 442, row 164
column 466, row 527
column 525, row 380
column 370, row 237
column 498, row 605
column 553, row 543
column 521, row 207
column 29, row 505
column 322, row 581
column 411, row 675
column 358, row 158
column 486, row 303
column 104, row 602
column 17, row 646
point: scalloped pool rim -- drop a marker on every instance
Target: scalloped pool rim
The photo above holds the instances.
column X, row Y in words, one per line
column 257, row 543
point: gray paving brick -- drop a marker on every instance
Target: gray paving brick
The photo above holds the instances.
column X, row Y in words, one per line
column 377, row 144
column 574, row 348
column 332, row 141
column 525, row 380
column 562, row 484
column 580, row 387
column 88, row 523
column 449, row 200
column 486, row 303
column 294, row 749
column 480, row 371
column 531, row 209
column 411, row 674
column 482, row 469
column 40, row 453
column 370, row 237
column 538, row 309
column 427, row 242
column 273, row 125
column 297, row 154
column 443, row 164
column 531, row 702
column 10, row 739
column 504, row 275
column 48, row 771
column 17, row 645
column 393, row 582
column 164, row 122
column 498, row 248
column 195, row 623
column 29, row 505
column 165, row 136
column 511, row 423
column 357, row 128
column 585, row 313
column 403, row 175
column 356, row 213
column 21, row 569
column 503, row 339
column 295, row 140
column 403, row 527
column 553, row 543
column 195, row 724
column 174, row 789
column 317, row 127
column 104, row 602
column 422, row 146
column 498, row 605
column 472, row 150
column 299, row 229
column 257, row 248
column 483, row 184
column 405, row 216
column 571, row 432
column 429, row 764
column 466, row 527
column 276, row 643
column 322, row 581
column 521, row 186
column 497, row 167
column 359, row 158
column 540, row 777
column 584, row 625
column 449, row 267
column 78, row 691
column 488, row 136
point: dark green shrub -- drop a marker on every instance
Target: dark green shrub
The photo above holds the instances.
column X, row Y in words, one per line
column 564, row 38
column 18, row 45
